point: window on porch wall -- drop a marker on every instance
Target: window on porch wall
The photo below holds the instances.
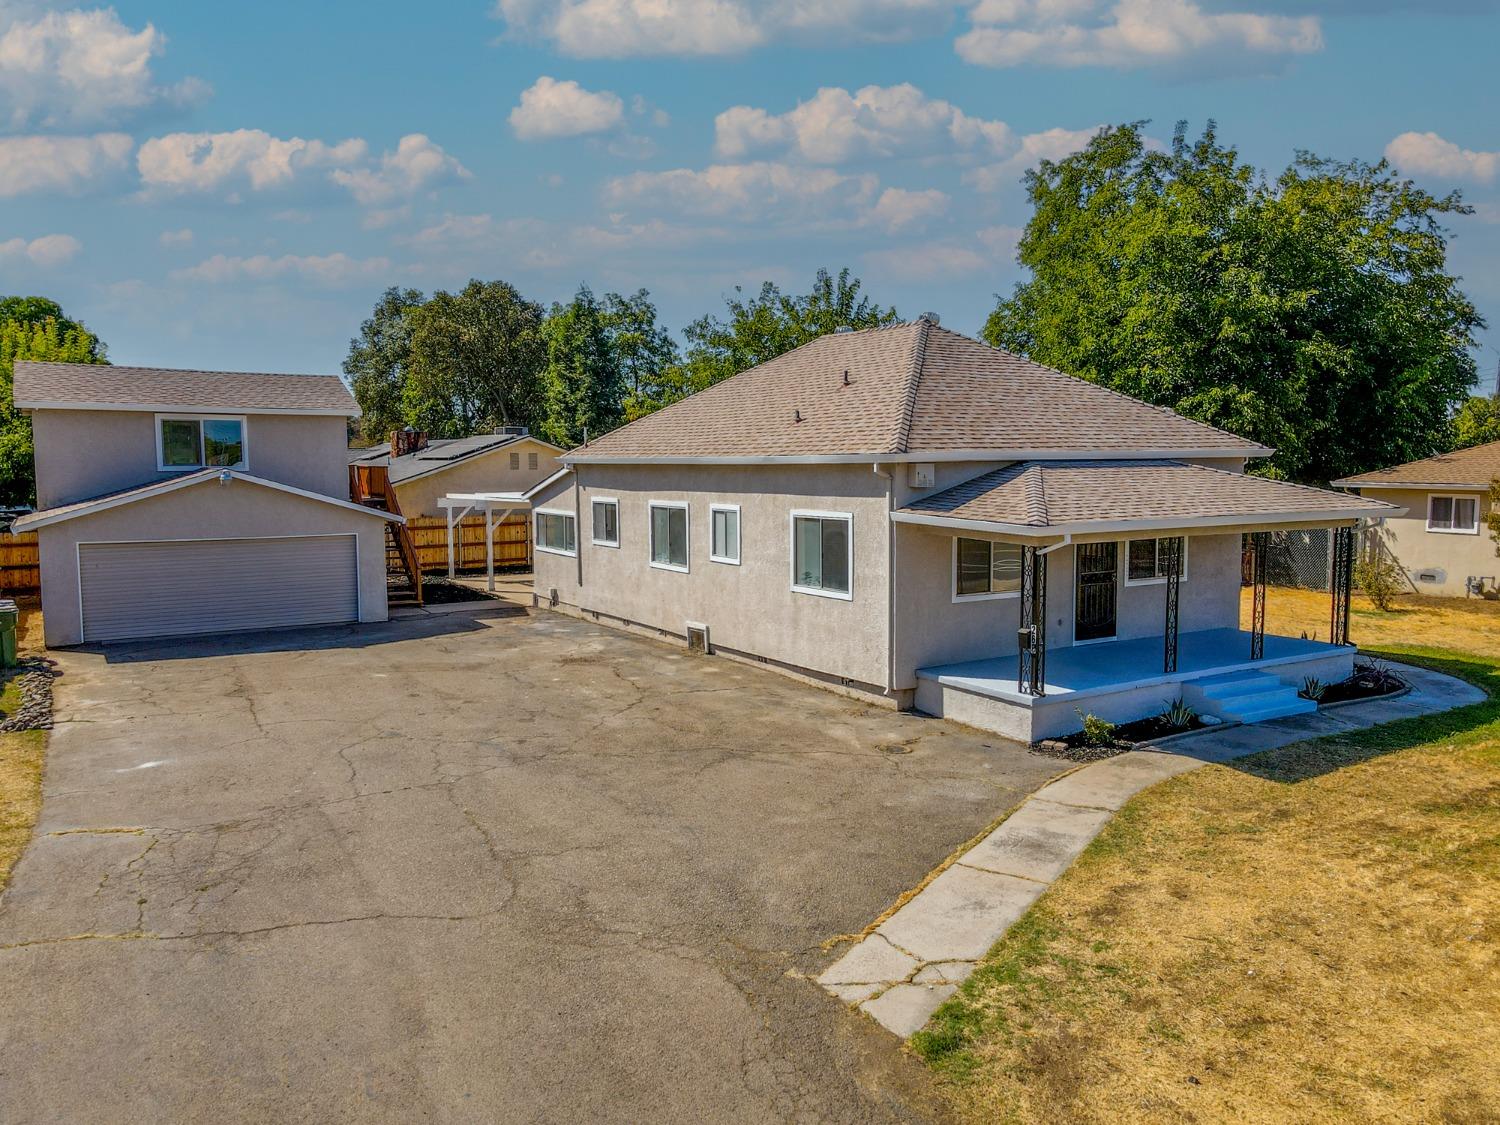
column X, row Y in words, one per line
column 1147, row 560
column 984, row 567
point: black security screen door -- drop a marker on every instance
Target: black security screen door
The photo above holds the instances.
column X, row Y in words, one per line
column 1097, row 565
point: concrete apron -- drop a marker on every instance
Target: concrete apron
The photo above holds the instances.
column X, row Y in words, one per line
column 915, row 959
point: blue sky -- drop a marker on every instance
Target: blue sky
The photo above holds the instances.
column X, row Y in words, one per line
column 231, row 186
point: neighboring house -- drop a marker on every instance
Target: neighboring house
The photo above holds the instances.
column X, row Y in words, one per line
column 509, row 460
column 181, row 502
column 910, row 515
column 1441, row 541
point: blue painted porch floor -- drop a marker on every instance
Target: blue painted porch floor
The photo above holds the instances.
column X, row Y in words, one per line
column 1111, row 666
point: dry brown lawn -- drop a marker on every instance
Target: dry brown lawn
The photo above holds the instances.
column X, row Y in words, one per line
column 21, row 757
column 1462, row 625
column 1313, row 935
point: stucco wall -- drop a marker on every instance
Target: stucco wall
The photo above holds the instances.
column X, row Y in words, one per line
column 931, row 628
column 750, row 607
column 204, row 511
column 81, row 454
column 1454, row 556
column 489, row 473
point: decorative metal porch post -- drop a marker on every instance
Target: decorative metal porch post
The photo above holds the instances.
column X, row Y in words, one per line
column 1031, row 667
column 1341, row 584
column 1172, row 559
column 1258, row 541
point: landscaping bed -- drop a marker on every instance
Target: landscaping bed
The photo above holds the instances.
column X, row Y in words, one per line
column 439, row 591
column 1099, row 739
column 1371, row 680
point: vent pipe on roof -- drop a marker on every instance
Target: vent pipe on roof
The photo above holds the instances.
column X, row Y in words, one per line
column 931, row 318
column 796, row 415
column 843, row 328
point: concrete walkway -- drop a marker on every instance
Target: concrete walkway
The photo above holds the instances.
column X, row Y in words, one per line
column 916, row 958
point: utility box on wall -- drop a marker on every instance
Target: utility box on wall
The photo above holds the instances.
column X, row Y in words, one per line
column 922, row 475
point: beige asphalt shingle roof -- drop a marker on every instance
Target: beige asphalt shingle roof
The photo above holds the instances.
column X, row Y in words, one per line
column 912, row 389
column 1474, row 467
column 1044, row 494
column 105, row 386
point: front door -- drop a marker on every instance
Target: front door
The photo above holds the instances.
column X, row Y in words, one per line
column 1096, row 566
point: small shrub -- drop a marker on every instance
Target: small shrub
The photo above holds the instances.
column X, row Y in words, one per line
column 1376, row 674
column 1179, row 714
column 1380, row 579
column 1313, row 688
column 1097, row 731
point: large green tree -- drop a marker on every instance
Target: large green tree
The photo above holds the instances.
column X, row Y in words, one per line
column 1477, row 422
column 584, row 381
column 377, row 363
column 1313, row 312
column 645, row 350
column 763, row 327
column 32, row 328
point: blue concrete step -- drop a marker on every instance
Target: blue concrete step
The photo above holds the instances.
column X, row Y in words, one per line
column 1246, row 697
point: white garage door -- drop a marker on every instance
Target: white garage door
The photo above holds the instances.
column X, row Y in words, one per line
column 215, row 585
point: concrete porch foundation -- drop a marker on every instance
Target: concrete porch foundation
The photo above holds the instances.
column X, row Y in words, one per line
column 1116, row 680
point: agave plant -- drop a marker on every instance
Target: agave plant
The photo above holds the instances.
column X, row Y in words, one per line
column 1376, row 675
column 1178, row 713
column 1313, row 688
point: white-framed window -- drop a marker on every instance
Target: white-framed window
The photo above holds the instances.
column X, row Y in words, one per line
column 556, row 532
column 1453, row 515
column 199, row 441
column 515, row 460
column 983, row 569
column 669, row 535
column 1146, row 561
column 606, row 512
column 724, row 533
column 531, row 460
column 823, row 554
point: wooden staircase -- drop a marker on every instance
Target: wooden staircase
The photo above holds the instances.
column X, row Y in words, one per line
column 370, row 485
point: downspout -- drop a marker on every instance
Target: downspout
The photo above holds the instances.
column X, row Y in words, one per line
column 890, row 579
column 1065, row 541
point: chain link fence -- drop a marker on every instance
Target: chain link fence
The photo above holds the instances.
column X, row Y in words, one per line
column 1302, row 560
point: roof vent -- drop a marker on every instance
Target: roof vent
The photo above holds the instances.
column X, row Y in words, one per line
column 843, row 328
column 931, row 318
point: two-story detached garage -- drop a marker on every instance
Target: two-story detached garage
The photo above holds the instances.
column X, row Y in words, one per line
column 911, row 515
column 182, row 502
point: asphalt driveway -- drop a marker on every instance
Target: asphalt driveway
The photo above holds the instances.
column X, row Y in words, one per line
column 475, row 867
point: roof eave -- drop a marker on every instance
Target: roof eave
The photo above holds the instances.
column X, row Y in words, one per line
column 1162, row 523
column 26, row 405
column 921, row 456
column 1457, row 486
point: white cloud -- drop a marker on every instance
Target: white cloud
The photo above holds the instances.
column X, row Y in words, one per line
column 625, row 28
column 928, row 262
column 331, row 270
column 835, row 126
column 1051, row 144
column 180, row 162
column 59, row 164
column 416, row 165
column 897, row 208
column 1430, row 154
column 746, row 191
column 80, row 67
column 550, row 108
column 1130, row 33
column 48, row 251
column 183, row 237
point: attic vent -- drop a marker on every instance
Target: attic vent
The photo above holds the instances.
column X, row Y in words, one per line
column 930, row 318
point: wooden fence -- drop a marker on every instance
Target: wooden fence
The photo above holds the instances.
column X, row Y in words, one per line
column 512, row 542
column 20, row 569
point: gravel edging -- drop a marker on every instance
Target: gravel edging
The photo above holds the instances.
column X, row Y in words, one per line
column 35, row 675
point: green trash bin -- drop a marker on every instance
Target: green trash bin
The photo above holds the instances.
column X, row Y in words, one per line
column 9, row 615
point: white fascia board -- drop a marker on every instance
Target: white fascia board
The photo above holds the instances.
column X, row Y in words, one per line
column 484, row 499
column 1433, row 487
column 953, row 455
column 541, row 484
column 178, row 408
column 1090, row 527
column 203, row 476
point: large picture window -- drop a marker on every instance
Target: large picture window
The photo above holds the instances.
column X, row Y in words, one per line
column 822, row 553
column 1146, row 560
column 199, row 442
column 606, row 522
column 1453, row 515
column 669, row 535
column 724, row 533
column 556, row 532
column 982, row 569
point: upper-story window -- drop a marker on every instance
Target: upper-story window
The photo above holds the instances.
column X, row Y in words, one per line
column 200, row 441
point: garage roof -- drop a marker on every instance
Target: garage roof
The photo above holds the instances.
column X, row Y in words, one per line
column 98, row 386
column 65, row 512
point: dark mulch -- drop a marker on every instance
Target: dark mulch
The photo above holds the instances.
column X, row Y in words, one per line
column 1370, row 681
column 438, row 591
column 1076, row 748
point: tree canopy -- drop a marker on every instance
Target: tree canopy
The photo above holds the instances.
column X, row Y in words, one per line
column 584, row 379
column 1477, row 422
column 1313, row 313
column 32, row 328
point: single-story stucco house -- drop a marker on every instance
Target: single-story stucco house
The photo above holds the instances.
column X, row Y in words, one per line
column 424, row 470
column 915, row 517
column 1441, row 541
column 188, row 502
